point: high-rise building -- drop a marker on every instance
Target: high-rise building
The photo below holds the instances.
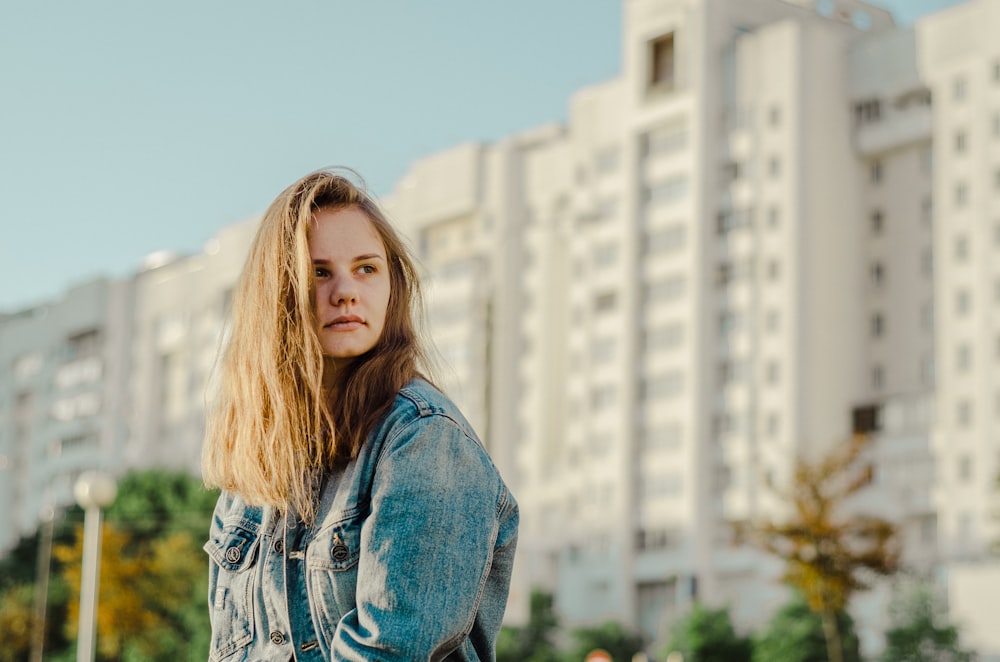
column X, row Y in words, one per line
column 728, row 259
column 62, row 399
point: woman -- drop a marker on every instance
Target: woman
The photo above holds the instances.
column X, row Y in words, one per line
column 361, row 517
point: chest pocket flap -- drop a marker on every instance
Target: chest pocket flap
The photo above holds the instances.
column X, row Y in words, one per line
column 234, row 548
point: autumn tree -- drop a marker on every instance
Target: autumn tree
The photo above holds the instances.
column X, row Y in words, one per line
column 153, row 575
column 828, row 554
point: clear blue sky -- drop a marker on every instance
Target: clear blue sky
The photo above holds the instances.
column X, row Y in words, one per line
column 131, row 127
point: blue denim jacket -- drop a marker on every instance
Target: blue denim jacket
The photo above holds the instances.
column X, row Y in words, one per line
column 409, row 558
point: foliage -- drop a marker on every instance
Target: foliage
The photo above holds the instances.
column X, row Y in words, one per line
column 610, row 636
column 16, row 605
column 795, row 634
column 919, row 633
column 707, row 635
column 533, row 642
column 825, row 554
column 153, row 577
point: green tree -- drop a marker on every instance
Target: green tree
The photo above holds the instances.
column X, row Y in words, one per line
column 826, row 554
column 534, row 641
column 919, row 632
column 610, row 636
column 796, row 634
column 153, row 573
column 707, row 635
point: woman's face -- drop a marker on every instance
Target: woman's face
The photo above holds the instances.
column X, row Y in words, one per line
column 351, row 275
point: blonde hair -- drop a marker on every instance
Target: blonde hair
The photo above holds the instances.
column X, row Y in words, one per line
column 284, row 413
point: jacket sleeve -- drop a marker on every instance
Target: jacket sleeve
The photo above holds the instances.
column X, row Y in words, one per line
column 426, row 546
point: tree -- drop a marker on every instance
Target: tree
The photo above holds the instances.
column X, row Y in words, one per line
column 610, row 636
column 153, row 577
column 533, row 642
column 707, row 635
column 796, row 634
column 826, row 554
column 919, row 633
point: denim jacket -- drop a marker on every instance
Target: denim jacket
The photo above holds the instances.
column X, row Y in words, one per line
column 409, row 558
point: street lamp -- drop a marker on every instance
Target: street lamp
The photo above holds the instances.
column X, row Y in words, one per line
column 93, row 491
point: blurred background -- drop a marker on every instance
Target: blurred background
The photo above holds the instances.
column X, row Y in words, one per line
column 679, row 254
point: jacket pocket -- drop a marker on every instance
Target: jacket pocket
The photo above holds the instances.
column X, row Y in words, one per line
column 332, row 562
column 234, row 550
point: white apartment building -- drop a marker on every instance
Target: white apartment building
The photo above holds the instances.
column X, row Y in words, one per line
column 179, row 316
column 62, row 399
column 777, row 226
column 728, row 258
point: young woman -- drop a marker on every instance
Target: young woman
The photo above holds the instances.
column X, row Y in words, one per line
column 361, row 518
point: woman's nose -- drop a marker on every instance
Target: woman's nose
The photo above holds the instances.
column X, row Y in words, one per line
column 343, row 291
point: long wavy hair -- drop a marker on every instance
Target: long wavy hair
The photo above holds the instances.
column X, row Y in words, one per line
column 283, row 412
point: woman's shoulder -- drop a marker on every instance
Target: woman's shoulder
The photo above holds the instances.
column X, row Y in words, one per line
column 419, row 402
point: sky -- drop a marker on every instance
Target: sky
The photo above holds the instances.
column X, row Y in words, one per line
column 128, row 128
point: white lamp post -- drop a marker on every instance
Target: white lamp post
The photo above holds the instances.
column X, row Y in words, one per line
column 93, row 491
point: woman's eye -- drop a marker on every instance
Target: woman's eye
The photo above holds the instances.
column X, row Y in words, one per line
column 320, row 272
column 367, row 269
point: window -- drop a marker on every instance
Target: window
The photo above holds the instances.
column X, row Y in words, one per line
column 959, row 89
column 961, row 194
column 602, row 350
column 961, row 247
column 867, row 111
column 773, row 372
column 878, row 376
column 605, row 254
column 875, row 171
column 665, row 191
column 774, row 166
column 878, row 325
column 772, row 425
column 607, row 160
column 866, row 418
column 877, row 221
column 773, row 217
column 663, row 140
column 664, row 436
column 996, row 72
column 661, row 63
column 927, row 316
column 927, row 262
column 665, row 240
column 996, row 125
column 667, row 289
column 927, row 211
column 772, row 320
column 662, row 386
column 604, row 302
column 773, row 269
column 927, row 369
column 963, row 413
column 963, row 357
column 963, row 302
column 774, row 116
column 960, row 141
column 878, row 274
column 602, row 397
column 663, row 337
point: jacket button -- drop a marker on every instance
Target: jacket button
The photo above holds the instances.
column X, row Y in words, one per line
column 340, row 552
column 233, row 554
column 277, row 638
column 279, row 546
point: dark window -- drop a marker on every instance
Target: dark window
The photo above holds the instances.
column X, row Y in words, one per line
column 661, row 64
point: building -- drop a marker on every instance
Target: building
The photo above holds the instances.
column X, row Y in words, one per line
column 728, row 258
column 62, row 400
column 179, row 317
